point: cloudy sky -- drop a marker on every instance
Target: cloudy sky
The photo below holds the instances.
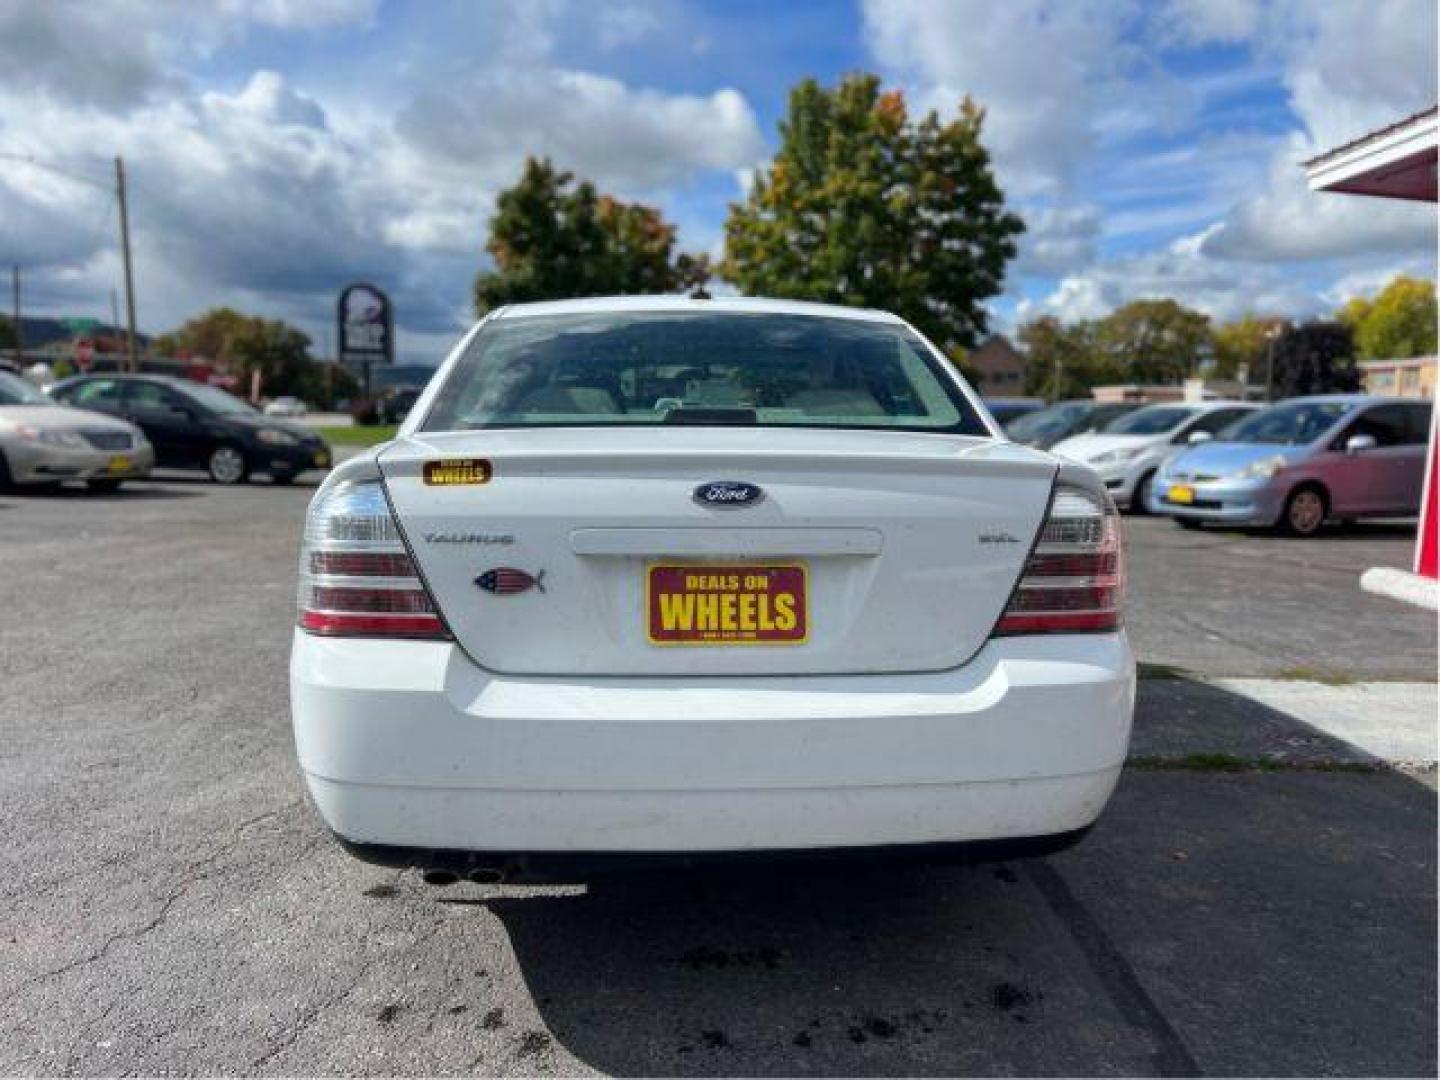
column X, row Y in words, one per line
column 280, row 148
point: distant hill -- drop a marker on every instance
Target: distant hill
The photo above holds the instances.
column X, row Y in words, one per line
column 42, row 332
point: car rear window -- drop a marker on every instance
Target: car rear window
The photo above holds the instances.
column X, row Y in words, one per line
column 644, row 368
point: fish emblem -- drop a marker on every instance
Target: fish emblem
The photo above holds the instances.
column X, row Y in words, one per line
column 504, row 580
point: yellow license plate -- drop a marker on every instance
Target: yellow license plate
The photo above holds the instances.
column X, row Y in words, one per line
column 118, row 463
column 708, row 604
column 1181, row 493
column 322, row 459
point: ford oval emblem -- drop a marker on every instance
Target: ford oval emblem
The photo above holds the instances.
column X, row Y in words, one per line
column 728, row 494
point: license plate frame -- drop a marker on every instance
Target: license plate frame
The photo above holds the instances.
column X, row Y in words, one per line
column 766, row 620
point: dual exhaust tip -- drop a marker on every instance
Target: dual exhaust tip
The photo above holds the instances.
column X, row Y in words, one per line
column 441, row 876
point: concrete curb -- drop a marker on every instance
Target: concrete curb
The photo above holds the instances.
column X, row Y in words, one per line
column 1402, row 585
column 1393, row 722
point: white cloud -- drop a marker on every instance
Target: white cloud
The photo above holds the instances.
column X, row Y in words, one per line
column 1079, row 98
column 619, row 136
column 1286, row 221
column 1223, row 290
column 1046, row 73
column 1059, row 239
column 270, row 194
column 1200, row 22
column 302, row 14
column 1349, row 69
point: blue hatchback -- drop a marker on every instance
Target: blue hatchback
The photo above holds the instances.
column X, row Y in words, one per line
column 1299, row 463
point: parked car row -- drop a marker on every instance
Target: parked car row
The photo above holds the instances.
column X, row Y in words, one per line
column 1293, row 465
column 105, row 429
column 1301, row 463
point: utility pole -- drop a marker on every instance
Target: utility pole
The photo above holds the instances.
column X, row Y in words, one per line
column 19, row 329
column 114, row 316
column 1270, row 336
column 133, row 356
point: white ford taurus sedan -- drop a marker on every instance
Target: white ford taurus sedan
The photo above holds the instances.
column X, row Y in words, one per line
column 661, row 577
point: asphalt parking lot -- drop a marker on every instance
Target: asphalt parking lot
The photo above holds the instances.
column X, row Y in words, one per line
column 1259, row 898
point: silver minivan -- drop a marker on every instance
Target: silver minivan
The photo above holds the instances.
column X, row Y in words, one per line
column 1299, row 463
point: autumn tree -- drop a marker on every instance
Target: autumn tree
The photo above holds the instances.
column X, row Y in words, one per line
column 1154, row 341
column 863, row 206
column 1062, row 361
column 1244, row 344
column 246, row 344
column 1398, row 323
column 1315, row 358
column 552, row 239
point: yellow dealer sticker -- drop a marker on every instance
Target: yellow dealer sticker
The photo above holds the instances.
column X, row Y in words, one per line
column 452, row 471
column 705, row 604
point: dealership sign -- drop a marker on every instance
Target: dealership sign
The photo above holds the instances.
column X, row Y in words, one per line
column 366, row 329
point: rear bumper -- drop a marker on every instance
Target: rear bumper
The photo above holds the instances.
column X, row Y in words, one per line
column 408, row 746
column 490, row 867
column 289, row 460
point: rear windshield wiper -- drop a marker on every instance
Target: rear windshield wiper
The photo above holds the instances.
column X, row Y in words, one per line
column 687, row 414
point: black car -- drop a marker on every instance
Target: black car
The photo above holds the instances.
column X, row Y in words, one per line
column 193, row 426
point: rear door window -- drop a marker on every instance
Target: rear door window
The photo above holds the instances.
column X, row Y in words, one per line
column 148, row 397
column 1387, row 424
column 646, row 368
column 1417, row 417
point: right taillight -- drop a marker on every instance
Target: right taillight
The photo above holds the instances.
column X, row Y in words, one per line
column 356, row 578
column 1074, row 580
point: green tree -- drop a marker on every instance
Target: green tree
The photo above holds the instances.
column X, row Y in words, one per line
column 552, row 239
column 1155, row 341
column 1398, row 323
column 1315, row 358
column 7, row 333
column 1244, row 343
column 862, row 206
column 1063, row 361
column 209, row 336
column 247, row 344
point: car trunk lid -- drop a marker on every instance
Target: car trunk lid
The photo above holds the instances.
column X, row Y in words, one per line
column 906, row 546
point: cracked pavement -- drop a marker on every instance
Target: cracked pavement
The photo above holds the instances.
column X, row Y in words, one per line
column 170, row 903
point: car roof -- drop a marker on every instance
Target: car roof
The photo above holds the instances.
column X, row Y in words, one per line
column 131, row 376
column 1348, row 399
column 1203, row 405
column 749, row 305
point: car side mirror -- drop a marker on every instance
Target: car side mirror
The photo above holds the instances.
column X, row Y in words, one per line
column 1197, row 437
column 1358, row 444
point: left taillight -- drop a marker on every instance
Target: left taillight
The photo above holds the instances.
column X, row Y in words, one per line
column 356, row 578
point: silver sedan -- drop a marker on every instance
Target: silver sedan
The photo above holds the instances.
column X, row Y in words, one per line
column 45, row 443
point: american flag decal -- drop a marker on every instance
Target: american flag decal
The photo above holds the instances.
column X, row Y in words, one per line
column 504, row 580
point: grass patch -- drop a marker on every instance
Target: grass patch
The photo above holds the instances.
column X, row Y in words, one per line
column 1232, row 763
column 357, row 435
column 1316, row 675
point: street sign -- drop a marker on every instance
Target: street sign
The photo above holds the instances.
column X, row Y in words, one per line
column 79, row 324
